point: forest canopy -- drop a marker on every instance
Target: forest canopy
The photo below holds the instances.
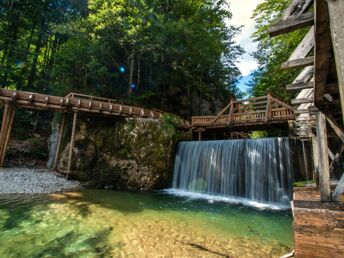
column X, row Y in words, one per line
column 178, row 56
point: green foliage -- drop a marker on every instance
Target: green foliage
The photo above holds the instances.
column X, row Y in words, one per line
column 271, row 53
column 173, row 54
column 303, row 183
column 258, row 134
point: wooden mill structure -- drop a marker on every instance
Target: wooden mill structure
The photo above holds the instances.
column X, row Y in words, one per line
column 71, row 103
column 246, row 115
column 319, row 103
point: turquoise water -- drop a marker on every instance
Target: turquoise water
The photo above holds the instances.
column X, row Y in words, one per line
column 96, row 223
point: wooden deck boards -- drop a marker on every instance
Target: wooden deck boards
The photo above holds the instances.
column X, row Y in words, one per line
column 318, row 226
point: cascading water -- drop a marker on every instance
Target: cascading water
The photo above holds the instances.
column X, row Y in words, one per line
column 258, row 170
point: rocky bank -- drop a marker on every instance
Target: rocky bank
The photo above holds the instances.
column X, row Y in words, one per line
column 126, row 154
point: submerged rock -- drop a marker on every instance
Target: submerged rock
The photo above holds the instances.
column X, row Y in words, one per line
column 127, row 154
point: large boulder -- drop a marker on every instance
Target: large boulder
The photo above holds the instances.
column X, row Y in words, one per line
column 127, row 154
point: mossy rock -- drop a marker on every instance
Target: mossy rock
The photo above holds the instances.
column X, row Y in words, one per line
column 130, row 154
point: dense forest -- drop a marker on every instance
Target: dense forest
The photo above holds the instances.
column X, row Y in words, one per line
column 178, row 56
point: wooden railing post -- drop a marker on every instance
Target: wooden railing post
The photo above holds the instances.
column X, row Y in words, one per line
column 268, row 108
column 231, row 111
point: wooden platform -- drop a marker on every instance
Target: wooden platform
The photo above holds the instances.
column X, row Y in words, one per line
column 245, row 115
column 318, row 226
column 80, row 103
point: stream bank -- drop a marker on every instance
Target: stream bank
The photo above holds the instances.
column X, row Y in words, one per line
column 30, row 181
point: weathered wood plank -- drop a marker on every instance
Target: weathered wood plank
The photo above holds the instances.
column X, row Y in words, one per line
column 298, row 63
column 339, row 189
column 305, row 46
column 296, row 8
column 291, row 24
column 301, row 101
column 335, row 126
column 5, row 118
column 324, row 172
column 336, row 11
column 323, row 45
column 305, row 75
column 300, row 86
column 8, row 132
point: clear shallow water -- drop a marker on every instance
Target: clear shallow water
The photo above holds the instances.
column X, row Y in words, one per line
column 95, row 223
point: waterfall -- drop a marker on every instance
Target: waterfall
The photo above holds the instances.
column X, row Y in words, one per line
column 258, row 170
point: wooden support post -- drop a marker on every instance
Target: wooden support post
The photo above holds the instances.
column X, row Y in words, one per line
column 71, row 146
column 59, row 141
column 3, row 128
column 268, row 108
column 315, row 159
column 231, row 111
column 324, row 171
column 199, row 135
column 322, row 51
column 11, row 114
column 336, row 10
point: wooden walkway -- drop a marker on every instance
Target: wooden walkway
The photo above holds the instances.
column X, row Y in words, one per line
column 250, row 114
column 71, row 103
column 77, row 102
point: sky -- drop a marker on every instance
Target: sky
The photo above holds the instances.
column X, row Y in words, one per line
column 242, row 12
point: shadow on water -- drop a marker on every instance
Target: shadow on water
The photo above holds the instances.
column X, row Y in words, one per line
column 18, row 208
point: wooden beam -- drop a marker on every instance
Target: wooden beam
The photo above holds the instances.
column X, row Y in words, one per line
column 336, row 159
column 298, row 63
column 5, row 121
column 305, row 46
column 323, row 47
column 339, row 189
column 268, row 109
column 59, row 141
column 301, row 101
column 296, row 8
column 291, row 24
column 336, row 11
column 231, row 111
column 8, row 132
column 221, row 113
column 330, row 154
column 324, row 172
column 71, row 146
column 300, row 86
column 335, row 126
column 315, row 148
column 305, row 75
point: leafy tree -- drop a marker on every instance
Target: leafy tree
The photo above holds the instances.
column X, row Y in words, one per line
column 271, row 53
column 175, row 55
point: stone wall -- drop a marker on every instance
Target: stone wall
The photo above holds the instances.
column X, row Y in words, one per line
column 127, row 154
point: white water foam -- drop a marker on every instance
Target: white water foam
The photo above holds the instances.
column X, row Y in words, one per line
column 226, row 199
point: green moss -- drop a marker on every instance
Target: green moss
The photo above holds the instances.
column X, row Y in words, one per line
column 134, row 153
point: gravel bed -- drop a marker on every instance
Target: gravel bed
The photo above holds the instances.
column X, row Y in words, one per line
column 25, row 180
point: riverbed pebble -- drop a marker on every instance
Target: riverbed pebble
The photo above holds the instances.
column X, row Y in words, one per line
column 25, row 181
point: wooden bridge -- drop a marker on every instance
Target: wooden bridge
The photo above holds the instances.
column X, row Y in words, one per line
column 247, row 115
column 71, row 103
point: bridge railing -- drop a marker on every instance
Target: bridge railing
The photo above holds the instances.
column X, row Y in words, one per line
column 250, row 111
